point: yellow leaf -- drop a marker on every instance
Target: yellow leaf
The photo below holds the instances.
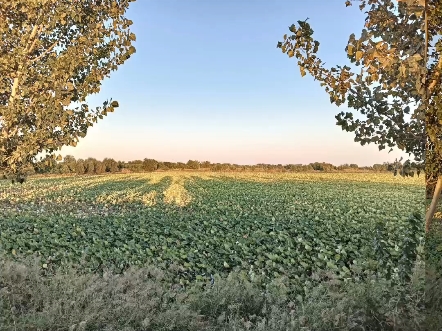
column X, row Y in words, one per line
column 403, row 70
column 285, row 37
column 302, row 71
column 417, row 57
column 290, row 53
column 358, row 55
column 350, row 50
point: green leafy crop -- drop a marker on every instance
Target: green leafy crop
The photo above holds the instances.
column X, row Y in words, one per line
column 300, row 226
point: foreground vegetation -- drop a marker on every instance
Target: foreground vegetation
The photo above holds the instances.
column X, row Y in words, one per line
column 302, row 251
column 142, row 299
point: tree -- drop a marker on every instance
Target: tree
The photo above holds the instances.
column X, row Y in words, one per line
column 99, row 167
column 55, row 53
column 92, row 166
column 80, row 167
column 71, row 163
column 135, row 166
column 379, row 167
column 170, row 165
column 64, row 168
column 205, row 164
column 110, row 165
column 398, row 87
column 89, row 167
column 162, row 166
column 69, row 159
column 150, row 164
column 192, row 164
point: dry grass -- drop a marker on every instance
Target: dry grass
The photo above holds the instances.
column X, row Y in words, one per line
column 176, row 193
column 144, row 300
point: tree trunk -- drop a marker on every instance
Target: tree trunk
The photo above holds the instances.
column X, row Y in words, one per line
column 430, row 186
column 433, row 206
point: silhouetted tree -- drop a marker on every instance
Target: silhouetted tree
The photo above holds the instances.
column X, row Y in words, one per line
column 80, row 167
column 191, row 164
column 150, row 165
column 110, row 165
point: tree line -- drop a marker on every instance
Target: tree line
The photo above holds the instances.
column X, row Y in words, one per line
column 92, row 166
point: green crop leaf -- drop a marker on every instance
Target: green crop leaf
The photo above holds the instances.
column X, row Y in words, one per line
column 116, row 234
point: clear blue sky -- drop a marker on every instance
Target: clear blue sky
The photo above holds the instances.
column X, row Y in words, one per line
column 208, row 83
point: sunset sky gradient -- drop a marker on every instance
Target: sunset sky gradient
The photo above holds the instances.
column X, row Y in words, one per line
column 208, row 83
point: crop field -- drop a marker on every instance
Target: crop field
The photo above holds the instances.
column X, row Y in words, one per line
column 198, row 224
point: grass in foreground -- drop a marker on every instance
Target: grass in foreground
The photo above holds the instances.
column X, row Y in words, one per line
column 140, row 299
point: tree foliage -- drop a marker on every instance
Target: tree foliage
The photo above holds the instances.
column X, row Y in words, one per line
column 53, row 55
column 150, row 165
column 396, row 92
column 92, row 166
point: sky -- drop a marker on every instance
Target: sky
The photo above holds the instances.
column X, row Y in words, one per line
column 208, row 83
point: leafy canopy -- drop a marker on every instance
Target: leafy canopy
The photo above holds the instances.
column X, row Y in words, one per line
column 53, row 54
column 396, row 91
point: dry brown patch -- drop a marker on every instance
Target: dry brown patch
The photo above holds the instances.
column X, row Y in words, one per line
column 176, row 193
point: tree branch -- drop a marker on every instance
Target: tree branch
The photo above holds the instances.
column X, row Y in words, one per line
column 35, row 38
column 436, row 78
column 45, row 52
